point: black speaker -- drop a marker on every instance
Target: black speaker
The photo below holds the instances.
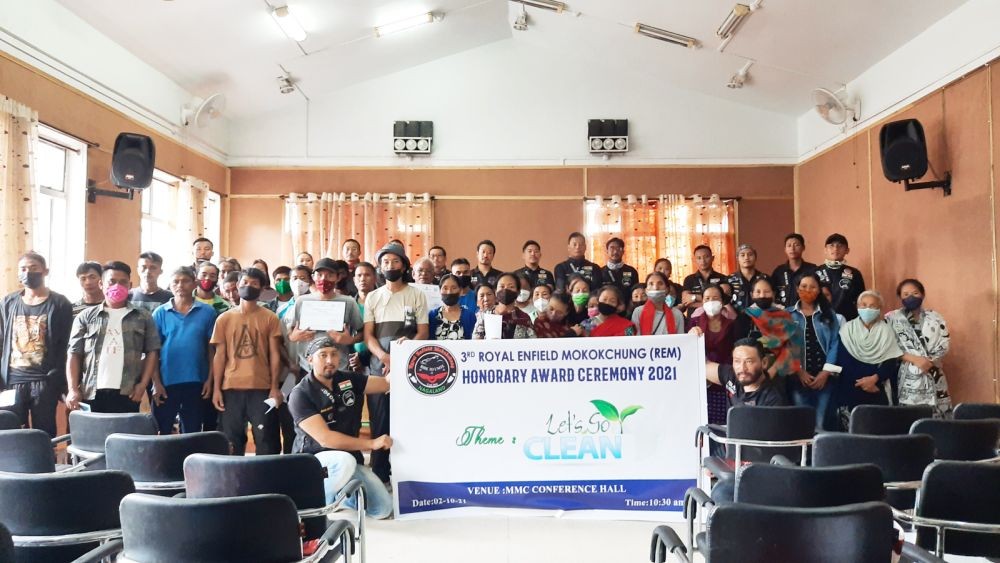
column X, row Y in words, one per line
column 903, row 149
column 133, row 161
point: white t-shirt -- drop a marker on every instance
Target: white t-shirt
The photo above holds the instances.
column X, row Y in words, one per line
column 112, row 363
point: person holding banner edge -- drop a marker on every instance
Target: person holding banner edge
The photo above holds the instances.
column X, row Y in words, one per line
column 326, row 407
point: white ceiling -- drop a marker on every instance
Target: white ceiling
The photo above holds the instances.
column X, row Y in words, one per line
column 233, row 46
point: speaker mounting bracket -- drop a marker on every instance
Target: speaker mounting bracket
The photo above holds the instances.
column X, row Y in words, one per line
column 93, row 191
column 943, row 184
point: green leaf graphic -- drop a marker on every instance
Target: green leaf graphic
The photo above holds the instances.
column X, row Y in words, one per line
column 629, row 411
column 607, row 410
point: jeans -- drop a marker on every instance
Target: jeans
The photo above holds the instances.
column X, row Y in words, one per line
column 341, row 467
column 39, row 398
column 819, row 400
column 183, row 398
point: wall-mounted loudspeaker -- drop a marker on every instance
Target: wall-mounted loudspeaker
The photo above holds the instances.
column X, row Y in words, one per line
column 412, row 137
column 132, row 161
column 607, row 136
column 903, row 149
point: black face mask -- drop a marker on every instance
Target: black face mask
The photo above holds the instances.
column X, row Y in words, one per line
column 449, row 299
column 249, row 293
column 463, row 281
column 640, row 303
column 392, row 275
column 606, row 309
column 31, row 280
column 506, row 296
column 763, row 303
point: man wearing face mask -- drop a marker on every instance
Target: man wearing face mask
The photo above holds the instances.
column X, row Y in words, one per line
column 616, row 272
column 576, row 246
column 393, row 312
column 460, row 268
column 484, row 272
column 842, row 283
column 301, row 280
column 113, row 349
column 743, row 279
column 531, row 252
column 208, row 278
column 34, row 332
column 327, row 276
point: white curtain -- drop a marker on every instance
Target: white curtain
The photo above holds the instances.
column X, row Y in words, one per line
column 191, row 196
column 18, row 139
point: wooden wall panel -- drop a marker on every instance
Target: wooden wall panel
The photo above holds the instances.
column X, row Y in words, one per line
column 743, row 181
column 764, row 224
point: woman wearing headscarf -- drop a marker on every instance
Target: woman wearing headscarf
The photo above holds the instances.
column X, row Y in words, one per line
column 923, row 337
column 867, row 357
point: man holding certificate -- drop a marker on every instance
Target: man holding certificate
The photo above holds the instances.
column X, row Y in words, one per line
column 323, row 311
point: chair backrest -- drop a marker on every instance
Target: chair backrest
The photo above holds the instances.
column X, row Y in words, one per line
column 54, row 504
column 9, row 420
column 771, row 424
column 6, row 544
column 160, row 458
column 26, row 451
column 259, row 528
column 963, row 491
column 810, row 487
column 961, row 440
column 748, row 533
column 974, row 411
column 884, row 420
column 297, row 476
column 901, row 458
column 89, row 430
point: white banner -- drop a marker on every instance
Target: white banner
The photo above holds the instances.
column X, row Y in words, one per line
column 590, row 427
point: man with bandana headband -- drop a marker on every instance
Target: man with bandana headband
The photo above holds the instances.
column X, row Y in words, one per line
column 393, row 312
column 34, row 331
column 326, row 407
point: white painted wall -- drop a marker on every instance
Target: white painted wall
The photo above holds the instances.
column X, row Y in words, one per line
column 511, row 103
column 46, row 35
column 953, row 46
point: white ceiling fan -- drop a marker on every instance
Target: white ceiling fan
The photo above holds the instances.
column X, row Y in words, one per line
column 200, row 112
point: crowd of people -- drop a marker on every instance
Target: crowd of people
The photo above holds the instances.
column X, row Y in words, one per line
column 222, row 347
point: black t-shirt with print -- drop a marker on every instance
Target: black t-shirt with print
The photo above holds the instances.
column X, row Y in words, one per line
column 624, row 278
column 743, row 288
column 490, row 277
column 38, row 336
column 585, row 268
column 769, row 394
column 786, row 282
column 846, row 284
column 541, row 276
column 340, row 408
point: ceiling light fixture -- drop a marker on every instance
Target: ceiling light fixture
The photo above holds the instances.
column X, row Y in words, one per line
column 285, row 84
column 521, row 23
column 742, row 75
column 668, row 36
column 736, row 17
column 289, row 25
column 402, row 25
column 552, row 5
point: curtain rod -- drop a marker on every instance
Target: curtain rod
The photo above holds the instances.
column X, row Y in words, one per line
column 508, row 197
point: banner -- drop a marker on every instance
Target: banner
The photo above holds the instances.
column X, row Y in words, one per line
column 585, row 427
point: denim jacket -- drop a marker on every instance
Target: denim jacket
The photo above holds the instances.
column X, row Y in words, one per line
column 828, row 337
column 139, row 335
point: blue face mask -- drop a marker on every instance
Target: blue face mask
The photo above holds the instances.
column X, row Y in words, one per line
column 670, row 300
column 868, row 316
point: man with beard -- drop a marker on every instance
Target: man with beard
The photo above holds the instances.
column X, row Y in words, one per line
column 326, row 407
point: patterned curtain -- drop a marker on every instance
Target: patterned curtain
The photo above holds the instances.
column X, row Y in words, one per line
column 191, row 197
column 319, row 224
column 18, row 139
column 668, row 227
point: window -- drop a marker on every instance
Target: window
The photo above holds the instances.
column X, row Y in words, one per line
column 166, row 230
column 60, row 176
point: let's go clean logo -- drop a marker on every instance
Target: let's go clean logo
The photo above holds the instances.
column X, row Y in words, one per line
column 593, row 436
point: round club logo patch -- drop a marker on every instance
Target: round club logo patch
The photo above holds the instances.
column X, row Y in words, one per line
column 431, row 370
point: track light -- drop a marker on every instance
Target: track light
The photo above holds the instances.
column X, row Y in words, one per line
column 521, row 23
column 283, row 16
column 544, row 4
column 741, row 76
column 668, row 36
column 285, row 84
column 733, row 21
column 402, row 25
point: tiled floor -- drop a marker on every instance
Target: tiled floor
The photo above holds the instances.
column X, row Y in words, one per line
column 508, row 540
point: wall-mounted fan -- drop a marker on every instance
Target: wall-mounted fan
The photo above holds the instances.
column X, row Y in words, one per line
column 836, row 107
column 200, row 112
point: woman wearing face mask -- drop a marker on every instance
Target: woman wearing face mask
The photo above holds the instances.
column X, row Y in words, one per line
column 775, row 329
column 658, row 314
column 523, row 301
column 451, row 321
column 540, row 298
column 718, row 331
column 551, row 323
column 637, row 298
column 868, row 357
column 608, row 322
column 820, row 326
column 515, row 323
column 923, row 337
column 579, row 293
column 665, row 267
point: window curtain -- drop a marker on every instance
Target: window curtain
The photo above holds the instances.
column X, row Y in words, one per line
column 320, row 223
column 191, row 194
column 670, row 226
column 18, row 139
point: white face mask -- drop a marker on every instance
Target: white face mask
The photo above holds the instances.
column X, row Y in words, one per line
column 523, row 296
column 541, row 304
column 300, row 287
column 712, row 308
